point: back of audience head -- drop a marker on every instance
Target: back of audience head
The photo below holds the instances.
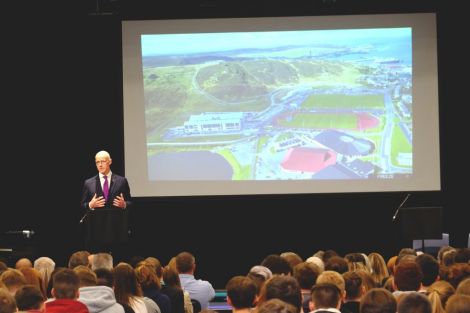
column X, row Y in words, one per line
column 409, row 251
column 441, row 252
column 464, row 287
column 276, row 306
column 355, row 257
column 7, row 302
column 379, row 268
column 262, row 271
column 458, row 303
column 79, row 258
column 333, row 278
column 408, row 277
column 325, row 296
column 402, row 258
column 156, row 264
column 292, row 258
column 448, row 257
column 440, row 289
column 185, row 263
column 462, row 255
column 283, row 287
column 86, row 276
column 429, row 267
column 414, row 302
column 104, row 277
column 147, row 276
column 378, row 300
column 29, row 297
column 259, row 275
column 45, row 266
column 241, row 292
column 368, row 281
column 456, row 273
column 328, row 254
column 171, row 277
column 277, row 264
column 33, row 277
column 317, row 261
column 337, row 264
column 101, row 260
column 306, row 274
column 353, row 285
column 13, row 279
column 23, row 262
column 125, row 283
column 65, row 284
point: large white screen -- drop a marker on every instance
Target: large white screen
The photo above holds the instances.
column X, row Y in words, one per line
column 314, row 104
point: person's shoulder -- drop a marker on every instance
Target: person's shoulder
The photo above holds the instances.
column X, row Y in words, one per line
column 120, row 177
column 91, row 179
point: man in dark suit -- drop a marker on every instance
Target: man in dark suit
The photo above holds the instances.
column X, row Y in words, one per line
column 106, row 199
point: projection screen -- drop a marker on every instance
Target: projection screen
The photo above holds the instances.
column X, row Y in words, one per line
column 281, row 105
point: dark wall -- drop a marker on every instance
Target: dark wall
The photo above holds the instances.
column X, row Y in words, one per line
column 65, row 80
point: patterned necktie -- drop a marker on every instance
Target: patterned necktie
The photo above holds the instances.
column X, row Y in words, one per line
column 105, row 187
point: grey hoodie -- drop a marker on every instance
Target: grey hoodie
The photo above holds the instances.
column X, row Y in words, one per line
column 100, row 299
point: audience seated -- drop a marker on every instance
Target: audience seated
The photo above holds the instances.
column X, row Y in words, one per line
column 276, row 306
column 354, row 291
column 29, row 299
column 241, row 293
column 464, row 287
column 277, row 264
column 151, row 286
column 414, row 303
column 326, row 297
column 283, row 287
column 128, row 290
column 98, row 299
column 430, row 269
column 292, row 258
column 13, row 279
column 413, row 276
column 180, row 300
column 306, row 274
column 79, row 258
column 408, row 278
column 378, row 300
column 23, row 262
column 101, row 260
column 458, row 303
column 438, row 293
column 200, row 290
column 379, row 270
column 45, row 266
column 65, row 292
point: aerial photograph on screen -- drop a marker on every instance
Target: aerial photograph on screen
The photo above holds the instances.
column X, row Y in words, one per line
column 283, row 105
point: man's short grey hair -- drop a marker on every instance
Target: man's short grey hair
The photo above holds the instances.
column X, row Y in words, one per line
column 102, row 260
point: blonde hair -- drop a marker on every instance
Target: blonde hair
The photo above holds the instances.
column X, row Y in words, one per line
column 379, row 270
column 334, row 278
column 438, row 293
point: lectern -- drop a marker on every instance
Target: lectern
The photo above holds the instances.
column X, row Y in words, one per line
column 106, row 228
column 421, row 223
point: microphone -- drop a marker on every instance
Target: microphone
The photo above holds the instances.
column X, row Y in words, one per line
column 83, row 218
column 399, row 207
column 28, row 233
column 25, row 233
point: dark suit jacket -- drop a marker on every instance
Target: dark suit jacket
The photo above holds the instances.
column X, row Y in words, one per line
column 106, row 226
